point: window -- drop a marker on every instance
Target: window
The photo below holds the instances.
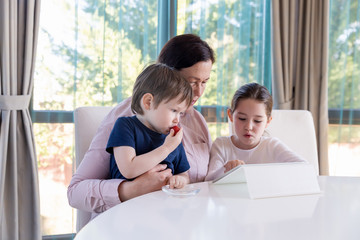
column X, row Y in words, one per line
column 89, row 53
column 344, row 88
column 239, row 32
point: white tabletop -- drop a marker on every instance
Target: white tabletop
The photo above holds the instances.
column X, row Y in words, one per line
column 227, row 212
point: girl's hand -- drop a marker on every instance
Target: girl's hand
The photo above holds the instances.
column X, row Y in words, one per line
column 173, row 140
column 233, row 163
column 178, row 181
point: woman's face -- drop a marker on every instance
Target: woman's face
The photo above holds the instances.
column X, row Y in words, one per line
column 197, row 75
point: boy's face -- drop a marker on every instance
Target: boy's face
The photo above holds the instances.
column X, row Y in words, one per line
column 165, row 116
column 250, row 120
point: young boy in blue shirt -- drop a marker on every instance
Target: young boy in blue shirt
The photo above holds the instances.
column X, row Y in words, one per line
column 139, row 143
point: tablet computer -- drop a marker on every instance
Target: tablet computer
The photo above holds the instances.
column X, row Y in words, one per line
column 235, row 175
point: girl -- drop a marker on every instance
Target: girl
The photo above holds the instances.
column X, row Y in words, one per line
column 250, row 115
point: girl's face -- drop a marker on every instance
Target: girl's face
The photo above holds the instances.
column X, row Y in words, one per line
column 197, row 75
column 250, row 120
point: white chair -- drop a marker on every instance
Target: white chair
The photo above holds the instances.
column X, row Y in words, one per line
column 87, row 121
column 296, row 129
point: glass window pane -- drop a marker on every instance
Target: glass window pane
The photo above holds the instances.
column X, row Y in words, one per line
column 344, row 87
column 344, row 150
column 239, row 32
column 90, row 52
column 54, row 146
column 56, row 42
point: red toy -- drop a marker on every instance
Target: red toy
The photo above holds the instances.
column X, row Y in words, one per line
column 176, row 129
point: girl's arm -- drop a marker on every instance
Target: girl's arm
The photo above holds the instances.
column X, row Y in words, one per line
column 283, row 153
column 132, row 166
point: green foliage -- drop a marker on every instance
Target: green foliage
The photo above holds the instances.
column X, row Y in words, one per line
column 344, row 68
column 54, row 145
column 235, row 30
column 92, row 52
column 344, row 134
column 113, row 42
column 344, row 59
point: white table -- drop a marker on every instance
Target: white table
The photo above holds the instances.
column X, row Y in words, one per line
column 226, row 212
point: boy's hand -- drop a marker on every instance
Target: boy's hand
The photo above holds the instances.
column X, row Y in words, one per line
column 172, row 140
column 176, row 129
column 233, row 163
column 177, row 181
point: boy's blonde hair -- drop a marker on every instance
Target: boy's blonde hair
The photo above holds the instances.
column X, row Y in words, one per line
column 164, row 83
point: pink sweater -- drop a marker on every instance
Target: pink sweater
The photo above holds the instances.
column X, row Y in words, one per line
column 90, row 189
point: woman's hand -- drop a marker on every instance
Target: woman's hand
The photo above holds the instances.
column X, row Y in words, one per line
column 233, row 163
column 150, row 181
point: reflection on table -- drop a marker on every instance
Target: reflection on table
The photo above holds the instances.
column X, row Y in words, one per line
column 226, row 212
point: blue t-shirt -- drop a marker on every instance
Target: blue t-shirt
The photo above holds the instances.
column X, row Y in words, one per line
column 129, row 131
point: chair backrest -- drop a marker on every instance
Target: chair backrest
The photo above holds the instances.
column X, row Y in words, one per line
column 87, row 121
column 296, row 129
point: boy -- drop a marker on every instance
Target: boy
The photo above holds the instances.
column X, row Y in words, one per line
column 139, row 143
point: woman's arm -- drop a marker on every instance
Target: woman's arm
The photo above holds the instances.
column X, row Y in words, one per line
column 197, row 143
column 150, row 181
column 90, row 189
column 92, row 192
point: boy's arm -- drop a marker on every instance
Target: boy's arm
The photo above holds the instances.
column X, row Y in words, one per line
column 132, row 166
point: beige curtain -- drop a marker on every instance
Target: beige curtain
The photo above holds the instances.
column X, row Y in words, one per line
column 19, row 191
column 300, row 42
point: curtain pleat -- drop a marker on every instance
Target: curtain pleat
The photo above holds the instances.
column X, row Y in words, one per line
column 19, row 191
column 300, row 42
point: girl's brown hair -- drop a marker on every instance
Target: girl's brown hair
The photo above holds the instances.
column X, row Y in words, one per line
column 253, row 91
